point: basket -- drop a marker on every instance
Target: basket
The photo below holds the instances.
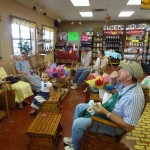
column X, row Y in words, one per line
column 61, row 80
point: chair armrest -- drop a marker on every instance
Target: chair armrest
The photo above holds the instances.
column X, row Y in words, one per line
column 103, row 121
column 6, row 84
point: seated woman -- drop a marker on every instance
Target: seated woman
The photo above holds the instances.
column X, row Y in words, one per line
column 22, row 89
column 23, row 67
column 83, row 72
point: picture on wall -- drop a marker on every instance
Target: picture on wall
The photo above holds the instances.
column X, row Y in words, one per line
column 73, row 36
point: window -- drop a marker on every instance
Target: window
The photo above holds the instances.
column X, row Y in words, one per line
column 23, row 35
column 48, row 38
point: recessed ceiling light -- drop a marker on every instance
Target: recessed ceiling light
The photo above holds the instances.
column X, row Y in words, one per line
column 134, row 2
column 86, row 14
column 80, row 2
column 125, row 13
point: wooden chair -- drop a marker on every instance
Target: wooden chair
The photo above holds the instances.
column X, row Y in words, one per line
column 10, row 95
column 93, row 140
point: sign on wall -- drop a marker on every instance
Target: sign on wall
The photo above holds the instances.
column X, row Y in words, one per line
column 73, row 36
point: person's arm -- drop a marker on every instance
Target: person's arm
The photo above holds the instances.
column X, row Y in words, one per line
column 113, row 117
column 18, row 68
column 113, row 78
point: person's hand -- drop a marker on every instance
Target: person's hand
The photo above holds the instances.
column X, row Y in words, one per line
column 114, row 74
column 97, row 107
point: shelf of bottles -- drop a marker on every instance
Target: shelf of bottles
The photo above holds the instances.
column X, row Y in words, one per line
column 146, row 52
column 135, row 42
column 113, row 38
column 97, row 43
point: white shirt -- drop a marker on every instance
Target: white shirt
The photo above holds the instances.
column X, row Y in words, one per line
column 45, row 87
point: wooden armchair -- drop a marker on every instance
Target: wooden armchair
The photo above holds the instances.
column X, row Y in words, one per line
column 97, row 141
column 5, row 85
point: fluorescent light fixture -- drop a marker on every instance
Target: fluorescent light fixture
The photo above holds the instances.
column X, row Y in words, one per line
column 134, row 2
column 125, row 13
column 86, row 14
column 80, row 2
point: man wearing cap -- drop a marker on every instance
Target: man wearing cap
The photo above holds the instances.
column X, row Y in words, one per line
column 126, row 111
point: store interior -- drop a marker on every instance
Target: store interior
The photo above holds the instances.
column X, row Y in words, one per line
column 56, row 32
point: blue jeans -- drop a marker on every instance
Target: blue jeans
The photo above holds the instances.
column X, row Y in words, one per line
column 80, row 125
column 80, row 75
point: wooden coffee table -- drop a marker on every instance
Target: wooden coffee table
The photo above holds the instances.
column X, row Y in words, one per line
column 44, row 131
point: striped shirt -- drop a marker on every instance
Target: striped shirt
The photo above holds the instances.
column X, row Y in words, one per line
column 131, row 103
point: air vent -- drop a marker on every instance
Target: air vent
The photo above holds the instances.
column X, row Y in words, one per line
column 99, row 10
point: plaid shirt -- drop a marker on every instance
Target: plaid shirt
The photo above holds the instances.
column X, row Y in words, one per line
column 131, row 103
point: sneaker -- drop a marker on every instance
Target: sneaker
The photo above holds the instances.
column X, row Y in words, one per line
column 68, row 140
column 74, row 87
column 69, row 147
column 33, row 111
column 20, row 105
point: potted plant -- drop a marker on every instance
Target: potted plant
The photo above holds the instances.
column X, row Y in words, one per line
column 25, row 46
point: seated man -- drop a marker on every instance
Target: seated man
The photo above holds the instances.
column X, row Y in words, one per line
column 83, row 72
column 22, row 89
column 125, row 113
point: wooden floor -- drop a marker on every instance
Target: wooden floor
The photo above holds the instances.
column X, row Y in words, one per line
column 13, row 129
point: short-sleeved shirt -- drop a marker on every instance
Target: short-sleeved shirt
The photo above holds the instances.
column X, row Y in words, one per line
column 131, row 104
column 45, row 87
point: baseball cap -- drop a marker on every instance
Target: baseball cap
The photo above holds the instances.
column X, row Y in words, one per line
column 133, row 67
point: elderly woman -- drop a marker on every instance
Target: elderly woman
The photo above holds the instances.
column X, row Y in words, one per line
column 22, row 89
column 23, row 67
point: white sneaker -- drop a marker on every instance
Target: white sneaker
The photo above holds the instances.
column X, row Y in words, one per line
column 68, row 140
column 74, row 87
column 71, row 82
column 69, row 148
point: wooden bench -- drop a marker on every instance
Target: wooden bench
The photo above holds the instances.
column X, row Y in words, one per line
column 44, row 131
column 55, row 96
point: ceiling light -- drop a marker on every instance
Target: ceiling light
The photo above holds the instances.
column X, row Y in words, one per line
column 80, row 23
column 86, row 14
column 125, row 13
column 80, row 2
column 134, row 2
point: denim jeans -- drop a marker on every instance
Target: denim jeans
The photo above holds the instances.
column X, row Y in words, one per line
column 80, row 75
column 80, row 125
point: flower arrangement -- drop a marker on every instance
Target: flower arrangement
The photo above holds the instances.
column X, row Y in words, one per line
column 100, row 82
column 57, row 72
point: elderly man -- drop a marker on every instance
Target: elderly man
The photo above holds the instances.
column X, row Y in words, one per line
column 126, row 111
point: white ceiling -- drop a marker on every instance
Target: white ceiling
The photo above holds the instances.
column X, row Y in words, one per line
column 64, row 10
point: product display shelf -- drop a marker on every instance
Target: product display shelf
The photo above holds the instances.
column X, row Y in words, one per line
column 97, row 44
column 134, row 44
column 114, row 40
